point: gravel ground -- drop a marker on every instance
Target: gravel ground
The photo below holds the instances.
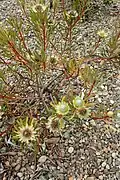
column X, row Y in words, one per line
column 82, row 152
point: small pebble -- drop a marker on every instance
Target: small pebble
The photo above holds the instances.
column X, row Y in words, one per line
column 7, row 163
column 90, row 178
column 42, row 159
column 20, row 174
column 111, row 101
column 107, row 166
column 70, row 150
column 114, row 155
column 103, row 164
column 98, row 153
column 32, row 167
column 17, row 167
column 101, row 177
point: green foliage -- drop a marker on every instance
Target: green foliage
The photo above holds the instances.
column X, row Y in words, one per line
column 107, row 2
column 81, row 6
column 114, row 45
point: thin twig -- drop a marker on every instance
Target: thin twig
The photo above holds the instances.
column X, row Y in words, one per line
column 12, row 153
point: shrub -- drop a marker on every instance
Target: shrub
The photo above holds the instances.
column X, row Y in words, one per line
column 36, row 46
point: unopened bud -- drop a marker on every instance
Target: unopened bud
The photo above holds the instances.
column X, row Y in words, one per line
column 110, row 113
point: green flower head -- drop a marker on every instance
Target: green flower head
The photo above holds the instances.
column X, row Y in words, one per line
column 78, row 102
column 62, row 108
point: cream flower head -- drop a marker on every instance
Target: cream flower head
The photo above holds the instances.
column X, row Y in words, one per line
column 102, row 34
column 25, row 131
column 55, row 124
column 39, row 7
column 83, row 113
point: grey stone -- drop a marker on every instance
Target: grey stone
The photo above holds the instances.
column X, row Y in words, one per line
column 13, row 164
column 90, row 178
column 42, row 159
column 117, row 161
column 103, row 164
column 114, row 155
column 20, row 174
column 100, row 177
column 99, row 161
column 107, row 166
column 17, row 168
column 83, row 157
column 110, row 160
column 118, row 175
column 42, row 178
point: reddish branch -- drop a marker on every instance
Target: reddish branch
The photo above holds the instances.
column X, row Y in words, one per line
column 6, row 131
column 101, row 58
column 79, row 17
column 44, row 41
column 91, row 88
column 106, row 119
column 100, row 118
column 96, row 46
column 22, row 39
column 7, row 97
column 44, row 36
column 18, row 56
column 63, row 4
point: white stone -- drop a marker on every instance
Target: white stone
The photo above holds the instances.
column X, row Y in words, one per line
column 32, row 167
column 70, row 150
column 98, row 153
column 99, row 100
column 102, row 87
column 114, row 155
column 111, row 101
